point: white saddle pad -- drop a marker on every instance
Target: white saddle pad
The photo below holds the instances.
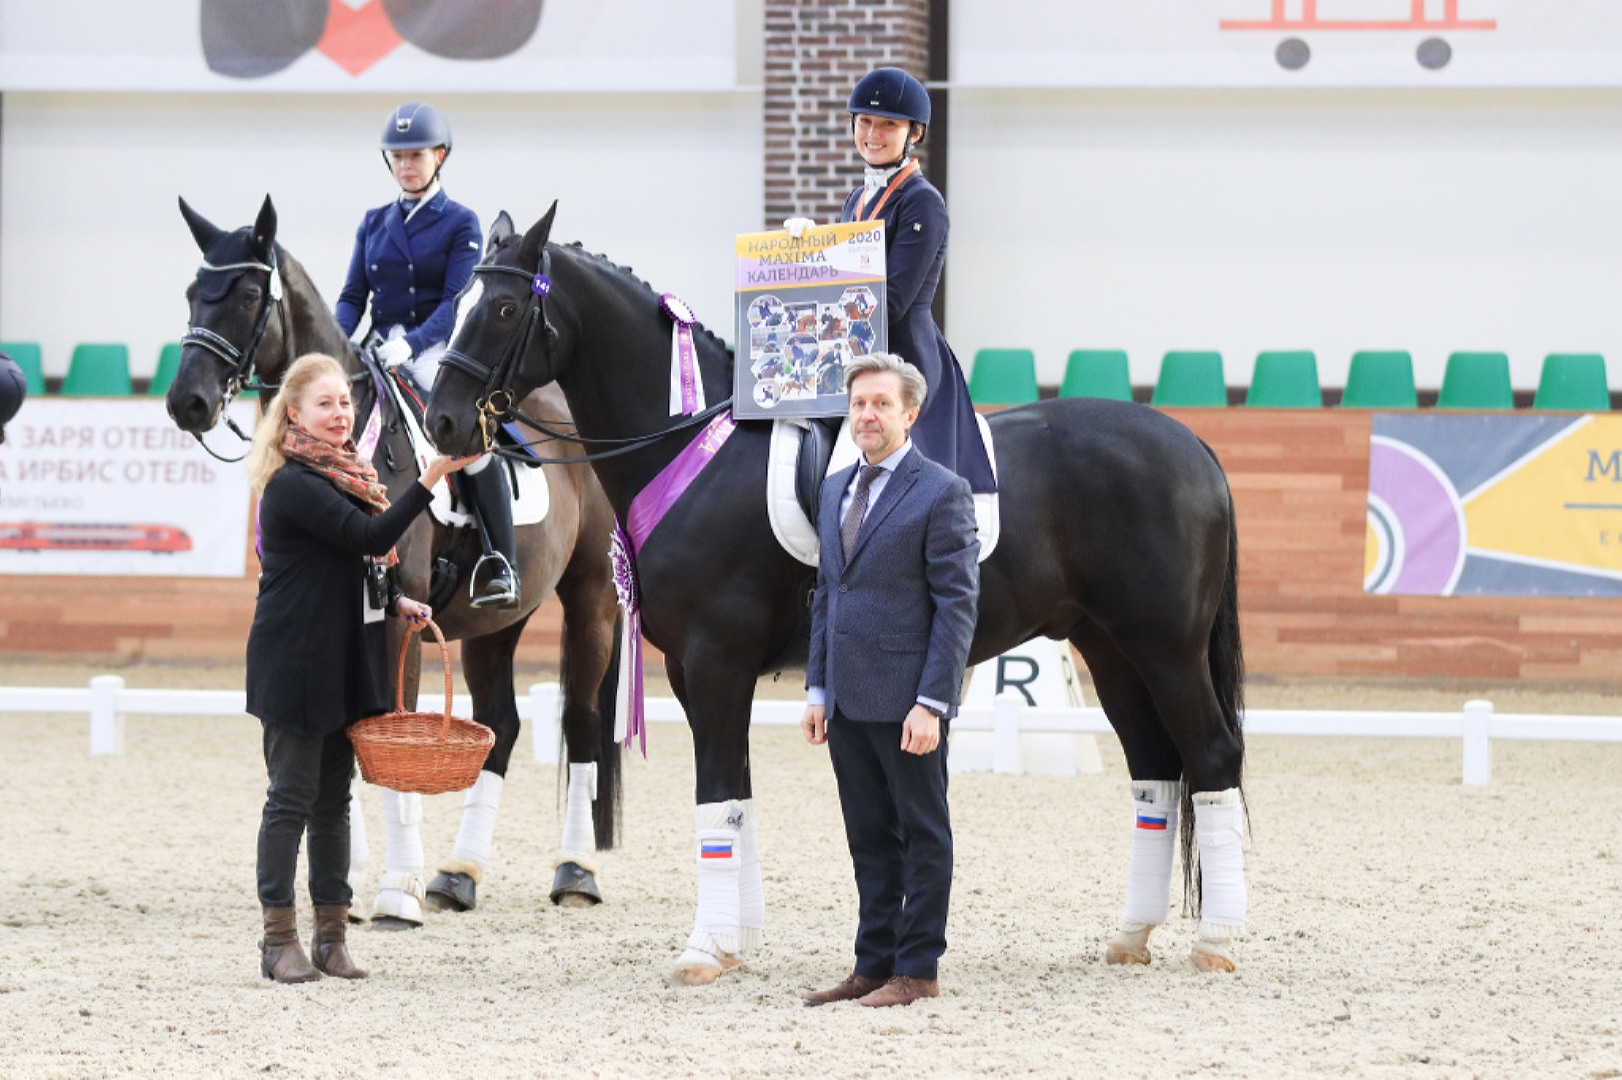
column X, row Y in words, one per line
column 531, row 497
column 798, row 534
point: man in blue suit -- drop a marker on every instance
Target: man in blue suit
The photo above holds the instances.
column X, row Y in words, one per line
column 897, row 592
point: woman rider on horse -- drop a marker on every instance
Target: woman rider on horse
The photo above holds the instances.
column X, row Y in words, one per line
column 889, row 115
column 412, row 257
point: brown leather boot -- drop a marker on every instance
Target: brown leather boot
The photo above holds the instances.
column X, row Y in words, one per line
column 327, row 946
column 852, row 988
column 281, row 956
column 901, row 990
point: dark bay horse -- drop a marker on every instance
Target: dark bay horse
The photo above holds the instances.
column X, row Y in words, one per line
column 253, row 328
column 1117, row 535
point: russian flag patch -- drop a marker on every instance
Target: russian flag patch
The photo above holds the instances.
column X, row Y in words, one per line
column 722, row 849
column 1153, row 821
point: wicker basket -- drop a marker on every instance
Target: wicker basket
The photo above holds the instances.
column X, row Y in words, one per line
column 428, row 753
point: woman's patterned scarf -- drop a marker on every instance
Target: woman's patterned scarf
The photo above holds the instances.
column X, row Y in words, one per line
column 349, row 472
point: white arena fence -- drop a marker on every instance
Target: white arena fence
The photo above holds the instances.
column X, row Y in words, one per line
column 108, row 700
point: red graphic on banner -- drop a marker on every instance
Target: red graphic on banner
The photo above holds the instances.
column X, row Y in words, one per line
column 1417, row 20
column 355, row 40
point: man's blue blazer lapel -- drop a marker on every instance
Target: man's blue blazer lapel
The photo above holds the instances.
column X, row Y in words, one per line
column 833, row 493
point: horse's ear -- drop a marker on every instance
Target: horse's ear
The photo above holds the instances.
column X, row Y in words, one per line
column 264, row 227
column 500, row 229
column 535, row 239
column 203, row 231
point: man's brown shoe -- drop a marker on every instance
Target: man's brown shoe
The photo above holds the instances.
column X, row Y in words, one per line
column 901, row 990
column 853, row 987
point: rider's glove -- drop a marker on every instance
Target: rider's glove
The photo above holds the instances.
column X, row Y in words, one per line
column 394, row 351
column 796, row 226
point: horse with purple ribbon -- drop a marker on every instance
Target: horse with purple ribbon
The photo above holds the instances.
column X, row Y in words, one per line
column 254, row 310
column 1117, row 535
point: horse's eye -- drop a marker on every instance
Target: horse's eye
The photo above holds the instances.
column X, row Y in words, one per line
column 506, row 310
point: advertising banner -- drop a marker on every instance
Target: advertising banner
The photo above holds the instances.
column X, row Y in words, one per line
column 1287, row 43
column 803, row 307
column 1495, row 506
column 114, row 488
column 409, row 47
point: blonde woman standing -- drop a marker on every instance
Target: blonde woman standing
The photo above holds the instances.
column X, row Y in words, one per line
column 316, row 653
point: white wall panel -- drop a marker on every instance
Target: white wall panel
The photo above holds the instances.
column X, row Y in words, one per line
column 92, row 247
column 1241, row 221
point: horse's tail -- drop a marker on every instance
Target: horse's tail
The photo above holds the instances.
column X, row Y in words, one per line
column 610, row 793
column 1225, row 655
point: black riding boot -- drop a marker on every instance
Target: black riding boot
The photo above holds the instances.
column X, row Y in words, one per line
column 489, row 500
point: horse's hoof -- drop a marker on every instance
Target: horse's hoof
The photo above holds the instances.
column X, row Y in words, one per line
column 389, row 922
column 696, row 968
column 574, row 886
column 1128, row 947
column 452, row 892
column 1211, row 956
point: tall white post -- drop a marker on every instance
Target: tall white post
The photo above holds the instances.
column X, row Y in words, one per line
column 106, row 723
column 1005, row 732
column 1477, row 743
column 544, row 705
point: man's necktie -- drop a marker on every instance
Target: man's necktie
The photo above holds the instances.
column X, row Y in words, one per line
column 858, row 507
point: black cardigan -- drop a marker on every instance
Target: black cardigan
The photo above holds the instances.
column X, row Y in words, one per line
column 314, row 665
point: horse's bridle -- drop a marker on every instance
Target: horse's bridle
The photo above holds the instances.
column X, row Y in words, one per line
column 498, row 404
column 239, row 362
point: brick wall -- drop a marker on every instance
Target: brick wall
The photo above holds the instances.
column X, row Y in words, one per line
column 815, row 52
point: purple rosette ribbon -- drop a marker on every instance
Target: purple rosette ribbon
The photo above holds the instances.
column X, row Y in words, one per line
column 686, row 385
column 625, row 586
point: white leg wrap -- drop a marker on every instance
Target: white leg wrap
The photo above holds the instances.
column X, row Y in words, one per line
column 478, row 827
column 360, row 852
column 402, row 839
column 1154, row 850
column 579, row 838
column 715, row 927
column 1219, row 823
column 399, row 896
column 751, row 889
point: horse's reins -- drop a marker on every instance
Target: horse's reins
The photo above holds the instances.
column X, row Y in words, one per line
column 239, row 362
column 498, row 404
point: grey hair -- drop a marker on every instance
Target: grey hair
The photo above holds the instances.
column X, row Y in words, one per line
column 914, row 387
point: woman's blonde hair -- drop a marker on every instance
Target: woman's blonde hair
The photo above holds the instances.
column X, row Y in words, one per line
column 265, row 455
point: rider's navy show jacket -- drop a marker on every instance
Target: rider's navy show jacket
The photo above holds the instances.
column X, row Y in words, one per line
column 411, row 270
column 915, row 228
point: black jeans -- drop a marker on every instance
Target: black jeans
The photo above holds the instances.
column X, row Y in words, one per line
column 309, row 791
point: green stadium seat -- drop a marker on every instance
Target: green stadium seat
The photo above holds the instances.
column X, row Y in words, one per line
column 1380, row 380
column 27, row 355
column 1003, row 377
column 1573, row 382
column 1191, row 379
column 98, row 371
column 1100, row 373
column 1285, row 380
column 168, row 367
column 1476, row 380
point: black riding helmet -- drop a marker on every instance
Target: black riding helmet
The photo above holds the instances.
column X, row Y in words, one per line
column 891, row 92
column 416, row 126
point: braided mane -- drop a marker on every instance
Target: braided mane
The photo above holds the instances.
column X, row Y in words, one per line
column 628, row 273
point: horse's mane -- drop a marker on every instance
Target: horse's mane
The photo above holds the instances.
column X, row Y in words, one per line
column 629, row 275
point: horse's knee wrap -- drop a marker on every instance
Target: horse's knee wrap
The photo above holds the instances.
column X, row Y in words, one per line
column 751, row 889
column 1154, row 847
column 478, row 829
column 402, row 839
column 1219, row 824
column 720, row 857
column 579, row 838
